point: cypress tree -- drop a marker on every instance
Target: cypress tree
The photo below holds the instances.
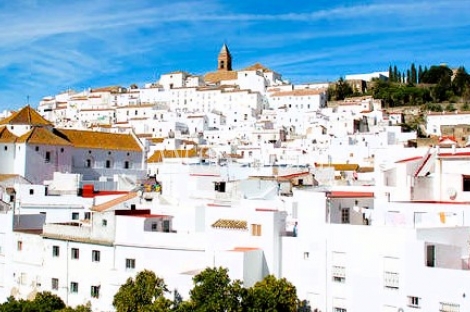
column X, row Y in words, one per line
column 420, row 73
column 414, row 77
column 396, row 76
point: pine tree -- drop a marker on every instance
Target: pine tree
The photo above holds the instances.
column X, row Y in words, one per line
column 408, row 76
column 390, row 73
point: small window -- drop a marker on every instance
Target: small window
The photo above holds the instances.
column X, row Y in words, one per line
column 95, row 255
column 87, row 215
column 47, row 158
column 344, row 215
column 130, row 263
column 74, row 287
column 127, row 164
column 36, row 148
column 108, row 163
column 449, row 307
column 166, row 226
column 256, row 229
column 466, row 183
column 6, row 148
column 55, row 284
column 104, row 222
column 88, row 163
column 31, row 191
column 75, row 253
column 62, row 150
column 413, row 302
column 338, row 273
column 75, row 215
column 154, row 226
column 19, row 245
column 55, row 251
column 95, row 291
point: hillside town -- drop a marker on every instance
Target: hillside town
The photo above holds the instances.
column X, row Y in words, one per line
column 240, row 169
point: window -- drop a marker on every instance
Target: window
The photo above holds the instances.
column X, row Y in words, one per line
column 413, row 302
column 19, row 245
column 36, row 148
column 430, row 255
column 338, row 273
column 130, row 263
column 219, row 187
column 95, row 255
column 54, row 283
column 47, row 158
column 127, row 164
column 31, row 191
column 154, row 226
column 104, row 222
column 75, row 215
column 335, row 309
column 88, row 163
column 448, row 307
column 466, row 183
column 55, row 251
column 74, row 287
column 87, row 215
column 95, row 291
column 6, row 148
column 75, row 253
column 166, row 226
column 344, row 215
column 391, row 280
column 108, row 163
column 256, row 229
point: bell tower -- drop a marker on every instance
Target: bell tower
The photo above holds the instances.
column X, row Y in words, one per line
column 224, row 60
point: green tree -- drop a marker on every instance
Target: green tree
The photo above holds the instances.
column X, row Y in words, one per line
column 461, row 81
column 342, row 89
column 43, row 302
column 420, row 73
column 272, row 294
column 214, row 291
column 145, row 293
column 414, row 75
column 396, row 74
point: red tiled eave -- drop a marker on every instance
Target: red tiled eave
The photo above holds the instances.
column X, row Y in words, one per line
column 409, row 159
column 349, row 194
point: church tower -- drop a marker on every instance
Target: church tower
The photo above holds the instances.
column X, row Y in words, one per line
column 224, row 60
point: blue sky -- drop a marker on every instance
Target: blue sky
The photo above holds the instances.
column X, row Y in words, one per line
column 47, row 46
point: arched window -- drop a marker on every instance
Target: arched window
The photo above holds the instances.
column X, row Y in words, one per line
column 108, row 163
column 88, row 163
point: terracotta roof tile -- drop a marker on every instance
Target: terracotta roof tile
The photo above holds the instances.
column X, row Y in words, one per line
column 159, row 155
column 219, row 76
column 6, row 136
column 114, row 202
column 26, row 116
column 100, row 140
column 43, row 136
column 258, row 66
column 298, row 92
column 230, row 224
